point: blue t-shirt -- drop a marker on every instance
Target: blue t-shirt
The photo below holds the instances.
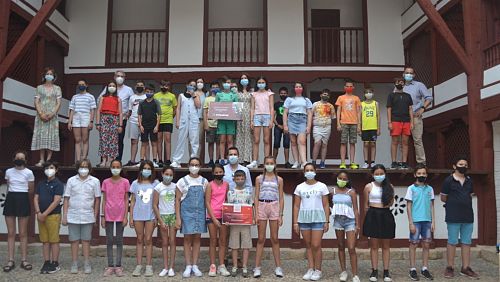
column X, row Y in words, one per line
column 46, row 191
column 297, row 105
column 143, row 208
column 421, row 197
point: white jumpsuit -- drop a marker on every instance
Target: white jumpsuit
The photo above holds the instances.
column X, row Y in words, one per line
column 188, row 128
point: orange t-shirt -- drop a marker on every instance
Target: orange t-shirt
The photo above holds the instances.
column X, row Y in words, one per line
column 350, row 107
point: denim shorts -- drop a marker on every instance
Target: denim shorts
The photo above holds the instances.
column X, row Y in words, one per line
column 315, row 226
column 462, row 229
column 342, row 222
column 261, row 120
column 422, row 231
column 297, row 123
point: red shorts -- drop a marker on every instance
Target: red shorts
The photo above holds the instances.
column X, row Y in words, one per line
column 400, row 128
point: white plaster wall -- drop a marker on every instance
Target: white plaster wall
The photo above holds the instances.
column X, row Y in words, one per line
column 144, row 14
column 235, row 14
column 351, row 11
column 415, row 14
column 491, row 75
column 87, row 32
column 285, row 19
column 450, row 89
column 186, row 32
column 496, row 149
column 384, row 32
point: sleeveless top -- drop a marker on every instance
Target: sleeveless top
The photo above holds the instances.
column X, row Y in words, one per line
column 217, row 197
column 375, row 196
column 110, row 105
column 269, row 189
column 369, row 115
column 342, row 204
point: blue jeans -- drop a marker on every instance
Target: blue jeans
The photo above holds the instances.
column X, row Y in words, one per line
column 422, row 230
column 315, row 226
column 464, row 230
column 341, row 222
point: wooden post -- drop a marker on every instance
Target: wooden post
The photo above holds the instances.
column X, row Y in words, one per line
column 4, row 29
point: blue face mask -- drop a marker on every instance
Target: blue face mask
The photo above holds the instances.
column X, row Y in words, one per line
column 244, row 81
column 233, row 159
column 146, row 172
column 226, row 86
column 149, row 95
column 49, row 77
column 379, row 178
column 261, row 85
column 215, row 90
column 234, row 89
column 310, row 175
column 190, row 88
column 408, row 76
column 82, row 87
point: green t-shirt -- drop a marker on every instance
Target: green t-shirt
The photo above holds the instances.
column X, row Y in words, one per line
column 226, row 97
column 211, row 122
column 168, row 102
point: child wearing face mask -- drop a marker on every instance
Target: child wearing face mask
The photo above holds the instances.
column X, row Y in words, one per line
column 47, row 204
column 80, row 212
column 345, row 216
column 81, row 119
column 168, row 104
column 420, row 206
column 226, row 129
column 215, row 196
column 164, row 208
column 109, row 124
column 190, row 215
column 114, row 213
column 142, row 217
column 134, row 131
column 149, row 112
column 210, row 125
column 323, row 114
column 370, row 127
column 279, row 132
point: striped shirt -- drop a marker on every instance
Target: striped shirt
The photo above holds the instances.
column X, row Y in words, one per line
column 82, row 103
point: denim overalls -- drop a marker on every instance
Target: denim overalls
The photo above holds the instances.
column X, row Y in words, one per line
column 193, row 210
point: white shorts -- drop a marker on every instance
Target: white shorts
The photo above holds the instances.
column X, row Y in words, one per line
column 134, row 132
column 81, row 119
column 322, row 133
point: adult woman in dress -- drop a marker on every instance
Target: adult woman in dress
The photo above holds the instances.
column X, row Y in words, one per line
column 244, row 136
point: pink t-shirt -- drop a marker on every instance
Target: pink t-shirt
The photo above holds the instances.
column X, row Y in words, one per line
column 217, row 197
column 114, row 207
column 262, row 102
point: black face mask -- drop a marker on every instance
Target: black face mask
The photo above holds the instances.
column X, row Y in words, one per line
column 187, row 95
column 164, row 89
column 399, row 87
column 462, row 169
column 421, row 179
column 218, row 177
column 139, row 89
column 19, row 162
column 325, row 98
column 283, row 97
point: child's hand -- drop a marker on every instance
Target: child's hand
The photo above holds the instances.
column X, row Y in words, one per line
column 251, row 125
column 178, row 223
column 308, row 129
column 432, row 227
column 91, row 125
column 285, row 129
column 205, row 127
column 378, row 132
column 70, row 126
column 131, row 223
column 142, row 128
column 103, row 222
column 41, row 217
column 98, row 127
column 217, row 223
column 125, row 221
column 412, row 229
column 339, row 128
column 120, row 129
column 411, row 126
column 155, row 130
column 280, row 221
column 326, row 226
column 296, row 228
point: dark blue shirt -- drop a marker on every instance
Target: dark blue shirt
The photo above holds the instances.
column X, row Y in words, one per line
column 458, row 205
column 46, row 191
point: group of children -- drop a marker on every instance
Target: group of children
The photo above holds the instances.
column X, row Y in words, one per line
column 151, row 117
column 194, row 203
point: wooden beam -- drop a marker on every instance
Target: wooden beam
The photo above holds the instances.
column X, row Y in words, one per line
column 4, row 30
column 27, row 37
column 442, row 28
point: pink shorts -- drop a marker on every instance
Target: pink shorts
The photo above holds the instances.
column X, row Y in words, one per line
column 269, row 210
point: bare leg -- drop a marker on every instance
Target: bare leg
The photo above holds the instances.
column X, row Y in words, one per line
column 74, row 250
column 256, row 143
column 42, row 155
column 148, row 240
column 341, row 245
column 394, row 148
column 134, row 144
column 23, row 235
column 234, row 254
column 352, row 152
column 259, row 249
column 229, row 143
column 11, row 235
column 86, row 250
column 405, row 148
column 386, row 252
column 465, row 255
column 425, row 254
column 366, row 149
column 267, row 141
column 159, row 146
column 351, row 246
column 373, row 150
column 287, row 155
column 155, row 150
column 212, row 230
column 196, row 248
column 374, row 252
column 295, row 150
column 343, row 152
column 413, row 255
column 211, row 147
column 168, row 145
column 316, row 148
column 275, row 242
column 55, row 251
column 172, row 243
column 139, row 245
column 316, row 238
column 46, row 251
column 49, row 154
column 85, row 141
column 188, row 241
column 246, row 252
column 222, row 146
column 307, row 237
column 324, row 149
column 222, row 243
column 302, row 147
column 450, row 254
column 77, row 134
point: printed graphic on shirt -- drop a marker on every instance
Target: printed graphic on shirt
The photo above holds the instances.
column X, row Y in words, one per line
column 145, row 196
column 169, row 196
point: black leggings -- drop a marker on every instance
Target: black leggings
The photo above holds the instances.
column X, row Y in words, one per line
column 118, row 240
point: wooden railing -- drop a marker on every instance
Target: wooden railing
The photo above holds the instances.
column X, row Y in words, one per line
column 335, row 46
column 138, row 47
column 492, row 55
column 242, row 46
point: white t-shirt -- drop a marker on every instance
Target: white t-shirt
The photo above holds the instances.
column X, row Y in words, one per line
column 133, row 106
column 17, row 179
column 82, row 194
column 166, row 201
column 311, row 202
column 183, row 188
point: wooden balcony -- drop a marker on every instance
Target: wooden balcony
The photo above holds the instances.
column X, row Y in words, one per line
column 137, row 48
column 235, row 46
column 492, row 55
column 335, row 46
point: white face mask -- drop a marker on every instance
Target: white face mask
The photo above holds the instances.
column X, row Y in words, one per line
column 116, row 171
column 269, row 168
column 194, row 169
column 112, row 89
column 83, row 171
column 49, row 172
column 199, row 85
column 369, row 95
column 120, row 80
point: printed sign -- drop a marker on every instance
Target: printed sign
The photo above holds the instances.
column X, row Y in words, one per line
column 237, row 214
column 225, row 110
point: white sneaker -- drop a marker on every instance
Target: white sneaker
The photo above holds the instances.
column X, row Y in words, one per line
column 316, row 275
column 303, row 165
column 355, row 278
column 343, row 276
column 222, row 270
column 137, row 164
column 257, row 272
column 171, row 272
column 278, row 272
column 197, row 271
column 175, row 165
column 253, row 164
column 155, row 164
column 365, row 165
column 212, row 272
column 296, row 165
column 187, row 271
column 308, row 274
column 163, row 273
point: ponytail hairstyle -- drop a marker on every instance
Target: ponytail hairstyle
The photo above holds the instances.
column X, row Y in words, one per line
column 387, row 190
column 274, row 171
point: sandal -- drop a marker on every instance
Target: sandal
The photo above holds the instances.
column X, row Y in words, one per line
column 26, row 265
column 10, row 265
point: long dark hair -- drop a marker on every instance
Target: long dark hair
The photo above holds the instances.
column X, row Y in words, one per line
column 387, row 190
column 151, row 178
column 107, row 93
column 348, row 185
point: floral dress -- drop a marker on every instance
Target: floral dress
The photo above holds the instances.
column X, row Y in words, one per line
column 46, row 133
column 108, row 135
column 244, row 136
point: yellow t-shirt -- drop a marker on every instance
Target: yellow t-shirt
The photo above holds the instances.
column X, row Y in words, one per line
column 369, row 116
column 168, row 102
column 212, row 123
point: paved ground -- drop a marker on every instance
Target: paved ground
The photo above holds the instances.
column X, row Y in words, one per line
column 294, row 267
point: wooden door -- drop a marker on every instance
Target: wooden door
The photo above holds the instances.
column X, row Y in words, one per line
column 325, row 36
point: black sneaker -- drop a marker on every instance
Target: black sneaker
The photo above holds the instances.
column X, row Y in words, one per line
column 374, row 275
column 167, row 163
column 413, row 275
column 211, row 164
column 288, row 165
column 130, row 163
column 45, row 267
column 427, row 274
column 53, row 267
column 160, row 163
column 404, row 166
column 394, row 165
column 387, row 276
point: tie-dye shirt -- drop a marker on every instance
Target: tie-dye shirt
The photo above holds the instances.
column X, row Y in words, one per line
column 323, row 113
